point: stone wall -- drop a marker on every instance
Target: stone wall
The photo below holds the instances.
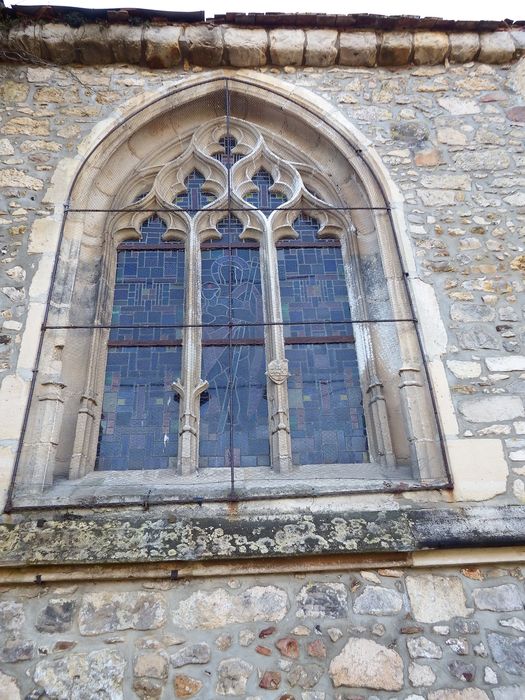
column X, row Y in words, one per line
column 452, row 140
column 440, row 635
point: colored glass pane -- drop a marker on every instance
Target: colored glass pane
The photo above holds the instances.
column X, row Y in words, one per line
column 264, row 197
column 195, row 198
column 226, row 156
column 140, row 412
column 326, row 413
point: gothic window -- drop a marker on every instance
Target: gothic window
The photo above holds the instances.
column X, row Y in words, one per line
column 222, row 317
column 254, row 364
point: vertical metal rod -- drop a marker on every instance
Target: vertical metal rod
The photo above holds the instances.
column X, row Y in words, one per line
column 230, row 292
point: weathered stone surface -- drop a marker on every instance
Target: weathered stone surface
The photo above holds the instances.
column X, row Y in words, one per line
column 287, row 46
column 148, row 688
column 464, row 46
column 220, row 607
column 423, row 648
column 316, row 649
column 411, row 132
column 464, row 370
column 516, row 114
column 462, row 671
column 15, row 650
column 270, row 680
column 430, row 48
column 11, row 91
column 482, row 159
column 233, row 675
column 452, row 694
column 375, row 600
column 161, row 46
column 98, row 674
column 323, row 600
column 186, row 686
column 508, row 652
column 512, row 363
column 305, row 676
column 395, row 49
column 288, row 646
column 10, row 177
column 513, row 622
column 109, row 612
column 487, row 409
column 504, row 598
column 321, row 47
column 476, row 338
column 510, row 692
column 92, row 44
column 246, row 47
column 224, row 642
column 202, row 44
column 496, row 47
column 8, row 687
column 6, row 148
column 436, row 598
column 151, row 664
column 58, row 43
column 12, row 616
column 458, row 645
column 126, row 43
column 57, row 616
column 357, row 48
column 366, row 664
column 420, row 676
column 192, row 654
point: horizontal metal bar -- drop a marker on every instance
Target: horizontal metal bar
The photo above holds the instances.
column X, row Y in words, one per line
column 225, row 209
column 226, row 342
column 231, row 325
column 167, row 246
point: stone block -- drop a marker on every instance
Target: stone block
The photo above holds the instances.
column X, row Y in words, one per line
column 487, row 409
column 212, row 610
column 496, row 47
column 186, row 686
column 233, row 675
column 161, row 46
column 509, row 363
column 26, row 39
column 305, row 676
column 57, row 616
column 357, row 49
column 508, row 652
column 191, row 654
column 479, row 468
column 423, row 648
column 9, row 689
column 27, row 126
column 366, row 664
column 110, row 612
column 246, row 48
column 430, row 48
column 58, row 43
column 100, row 672
column 321, row 47
column 92, row 45
column 436, row 598
column 395, row 49
column 464, row 46
column 420, row 675
column 376, row 600
column 202, row 45
column 126, row 43
column 287, row 46
column 504, row 598
column 453, row 694
column 323, row 600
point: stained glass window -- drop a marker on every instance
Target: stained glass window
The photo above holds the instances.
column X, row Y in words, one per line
column 139, row 425
column 307, row 321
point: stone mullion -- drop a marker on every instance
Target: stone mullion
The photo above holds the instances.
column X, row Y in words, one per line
column 276, row 362
column 378, row 428
column 190, row 385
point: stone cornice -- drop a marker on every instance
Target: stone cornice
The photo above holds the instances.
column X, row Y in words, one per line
column 202, row 533
column 210, row 44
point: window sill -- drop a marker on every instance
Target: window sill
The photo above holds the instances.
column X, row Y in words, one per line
column 158, row 487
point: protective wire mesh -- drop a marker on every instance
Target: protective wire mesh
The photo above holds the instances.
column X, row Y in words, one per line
column 139, row 423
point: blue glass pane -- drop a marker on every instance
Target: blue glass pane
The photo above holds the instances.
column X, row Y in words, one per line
column 313, row 292
column 326, row 412
column 149, row 290
column 226, row 156
column 194, row 198
column 263, row 197
column 230, row 229
column 307, row 228
column 231, row 292
column 140, row 413
column 247, row 408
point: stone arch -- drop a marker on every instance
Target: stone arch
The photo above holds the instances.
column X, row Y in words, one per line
column 123, row 161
